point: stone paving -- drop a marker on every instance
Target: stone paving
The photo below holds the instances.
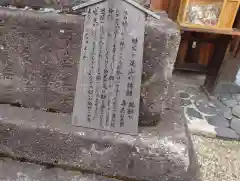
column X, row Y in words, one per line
column 211, row 116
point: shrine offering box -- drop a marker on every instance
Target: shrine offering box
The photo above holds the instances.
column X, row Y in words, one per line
column 208, row 13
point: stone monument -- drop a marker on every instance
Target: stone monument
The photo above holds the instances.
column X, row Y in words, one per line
column 39, row 68
column 110, row 69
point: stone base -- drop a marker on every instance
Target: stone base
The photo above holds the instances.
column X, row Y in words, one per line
column 16, row 171
column 157, row 153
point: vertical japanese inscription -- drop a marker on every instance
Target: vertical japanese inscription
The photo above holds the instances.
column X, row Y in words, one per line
column 109, row 80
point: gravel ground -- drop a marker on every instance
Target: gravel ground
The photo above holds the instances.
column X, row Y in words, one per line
column 219, row 159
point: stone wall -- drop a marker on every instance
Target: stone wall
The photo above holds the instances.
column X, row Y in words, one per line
column 40, row 54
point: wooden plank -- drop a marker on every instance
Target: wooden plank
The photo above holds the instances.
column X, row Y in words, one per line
column 182, row 53
column 229, row 14
column 205, row 53
column 234, row 32
column 216, row 64
column 195, row 50
column 109, row 80
column 173, row 9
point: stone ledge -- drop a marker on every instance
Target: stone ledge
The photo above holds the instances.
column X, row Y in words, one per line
column 159, row 153
column 16, row 171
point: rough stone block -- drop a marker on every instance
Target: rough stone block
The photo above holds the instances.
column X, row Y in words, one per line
column 230, row 103
column 40, row 54
column 228, row 114
column 235, row 125
column 19, row 171
column 218, row 121
column 227, row 133
column 160, row 50
column 157, row 153
column 236, row 111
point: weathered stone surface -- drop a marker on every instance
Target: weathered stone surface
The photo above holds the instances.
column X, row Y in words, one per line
column 236, row 111
column 193, row 90
column 218, row 121
column 157, row 153
column 220, row 106
column 227, row 133
column 184, row 95
column 230, row 102
column 213, row 132
column 237, row 97
column 227, row 88
column 203, row 129
column 235, row 125
column 224, row 96
column 205, row 106
column 185, row 102
column 160, row 50
column 58, row 4
column 22, row 171
column 199, row 97
column 192, row 113
column 40, row 54
column 109, row 76
column 228, row 114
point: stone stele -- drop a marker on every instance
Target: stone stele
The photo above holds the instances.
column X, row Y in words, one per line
column 38, row 69
column 110, row 69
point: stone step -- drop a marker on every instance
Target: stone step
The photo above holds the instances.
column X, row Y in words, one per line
column 157, row 153
column 17, row 171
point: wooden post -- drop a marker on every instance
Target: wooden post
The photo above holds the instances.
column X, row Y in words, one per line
column 173, row 8
column 216, row 65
